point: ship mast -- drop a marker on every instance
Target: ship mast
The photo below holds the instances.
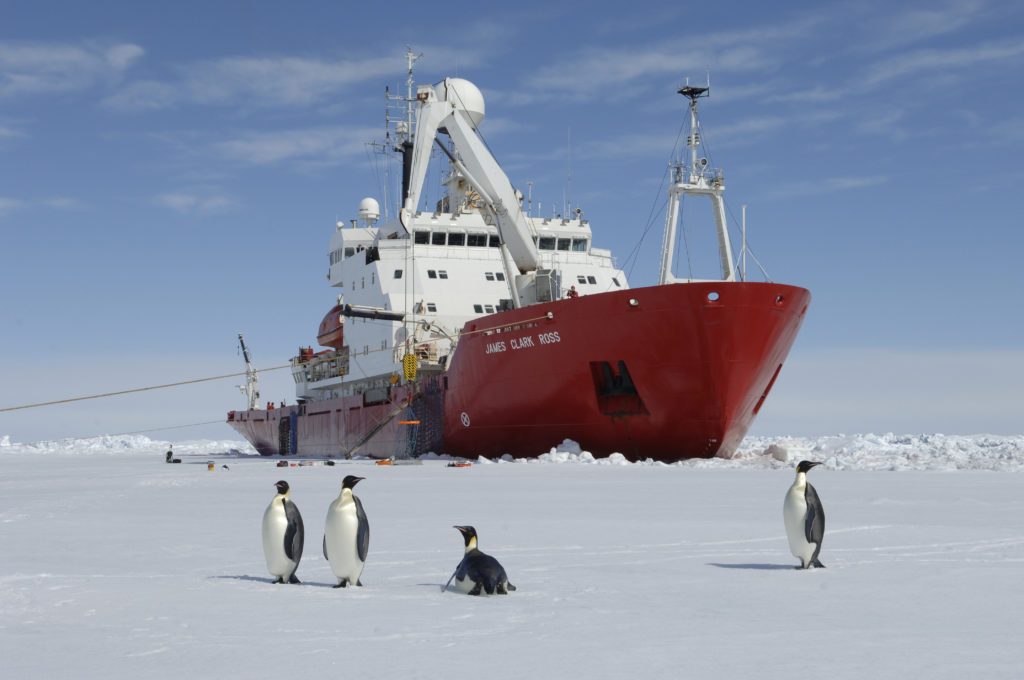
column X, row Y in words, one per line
column 252, row 381
column 695, row 180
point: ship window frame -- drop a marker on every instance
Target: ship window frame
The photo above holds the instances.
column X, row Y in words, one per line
column 398, row 273
column 431, row 274
column 479, row 309
column 489, row 276
column 546, row 243
column 442, row 274
column 438, row 238
column 499, row 276
column 431, row 307
column 580, row 278
column 421, row 237
column 493, row 241
column 457, row 236
column 350, row 251
column 579, row 245
column 616, row 282
column 489, row 309
column 591, row 280
column 567, row 242
column 476, row 240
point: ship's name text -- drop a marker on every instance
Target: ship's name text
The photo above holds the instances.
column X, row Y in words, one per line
column 525, row 342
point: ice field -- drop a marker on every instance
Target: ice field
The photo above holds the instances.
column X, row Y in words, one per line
column 117, row 565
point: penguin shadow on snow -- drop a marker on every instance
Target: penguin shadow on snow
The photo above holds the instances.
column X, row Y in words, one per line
column 262, row 579
column 752, row 565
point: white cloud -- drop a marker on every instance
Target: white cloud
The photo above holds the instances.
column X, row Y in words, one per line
column 330, row 144
column 9, row 205
column 827, row 185
column 39, row 68
column 930, row 60
column 195, row 203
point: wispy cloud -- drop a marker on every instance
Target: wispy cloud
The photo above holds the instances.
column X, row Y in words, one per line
column 321, row 144
column 931, row 60
column 9, row 205
column 602, row 71
column 827, row 185
column 283, row 80
column 39, row 68
column 195, row 203
column 907, row 26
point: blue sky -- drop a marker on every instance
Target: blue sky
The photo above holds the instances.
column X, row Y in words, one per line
column 170, row 176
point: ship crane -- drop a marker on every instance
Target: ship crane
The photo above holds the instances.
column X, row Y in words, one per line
column 455, row 106
column 251, row 390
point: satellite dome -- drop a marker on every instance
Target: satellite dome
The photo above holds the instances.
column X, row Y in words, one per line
column 467, row 96
column 369, row 210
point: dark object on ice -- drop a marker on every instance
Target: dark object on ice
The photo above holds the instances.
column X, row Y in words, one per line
column 478, row 572
column 805, row 518
column 225, row 467
column 170, row 456
column 329, row 462
column 282, row 463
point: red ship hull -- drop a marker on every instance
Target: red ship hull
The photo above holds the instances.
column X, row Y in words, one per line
column 666, row 372
column 661, row 372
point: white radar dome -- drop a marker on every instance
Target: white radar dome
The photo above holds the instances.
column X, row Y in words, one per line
column 467, row 96
column 369, row 210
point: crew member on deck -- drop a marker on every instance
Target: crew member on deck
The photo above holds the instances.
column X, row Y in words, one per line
column 572, row 292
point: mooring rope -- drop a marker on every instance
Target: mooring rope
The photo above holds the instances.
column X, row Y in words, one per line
column 136, row 389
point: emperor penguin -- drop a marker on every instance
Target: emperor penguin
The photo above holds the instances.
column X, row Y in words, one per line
column 283, row 536
column 478, row 572
column 805, row 518
column 347, row 534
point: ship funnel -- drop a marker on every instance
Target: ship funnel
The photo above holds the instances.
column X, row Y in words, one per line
column 369, row 210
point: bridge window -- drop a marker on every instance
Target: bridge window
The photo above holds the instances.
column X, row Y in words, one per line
column 349, row 252
column 456, row 239
column 489, row 309
column 398, row 273
column 494, row 242
column 437, row 238
column 546, row 243
column 476, row 240
column 500, row 276
column 431, row 274
column 591, row 279
column 579, row 245
column 431, row 307
column 564, row 243
column 581, row 279
column 479, row 309
column 489, row 276
column 616, row 282
column 442, row 274
column 422, row 237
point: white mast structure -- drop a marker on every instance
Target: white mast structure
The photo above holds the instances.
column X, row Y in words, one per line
column 695, row 180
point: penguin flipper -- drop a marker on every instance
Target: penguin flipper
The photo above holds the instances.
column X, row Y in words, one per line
column 363, row 532
column 814, row 526
column 325, row 549
column 295, row 534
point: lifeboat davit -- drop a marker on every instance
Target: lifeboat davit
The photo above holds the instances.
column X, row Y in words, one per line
column 332, row 329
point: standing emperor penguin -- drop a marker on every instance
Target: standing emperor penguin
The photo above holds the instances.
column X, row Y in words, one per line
column 347, row 534
column 283, row 535
column 805, row 518
column 478, row 571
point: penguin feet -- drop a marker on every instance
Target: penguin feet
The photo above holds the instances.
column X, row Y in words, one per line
column 293, row 579
column 818, row 564
column 279, row 580
column 476, row 589
column 343, row 583
column 359, row 582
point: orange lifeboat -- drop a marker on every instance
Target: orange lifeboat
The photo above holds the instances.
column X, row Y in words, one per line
column 332, row 329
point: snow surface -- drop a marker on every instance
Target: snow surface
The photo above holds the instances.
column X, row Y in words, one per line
column 117, row 565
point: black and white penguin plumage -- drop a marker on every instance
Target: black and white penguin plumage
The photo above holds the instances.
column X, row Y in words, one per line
column 283, row 536
column 347, row 535
column 805, row 518
column 478, row 572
